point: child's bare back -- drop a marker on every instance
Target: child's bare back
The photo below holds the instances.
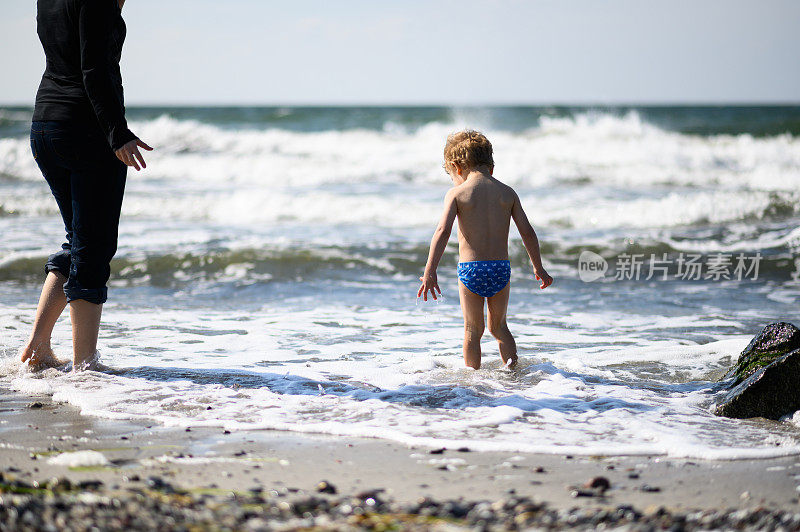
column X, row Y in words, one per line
column 484, row 207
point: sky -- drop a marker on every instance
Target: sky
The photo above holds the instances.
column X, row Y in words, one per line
column 246, row 52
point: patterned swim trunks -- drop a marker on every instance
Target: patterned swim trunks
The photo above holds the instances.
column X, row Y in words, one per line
column 485, row 277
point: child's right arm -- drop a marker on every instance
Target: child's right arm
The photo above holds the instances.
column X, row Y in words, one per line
column 531, row 242
column 438, row 244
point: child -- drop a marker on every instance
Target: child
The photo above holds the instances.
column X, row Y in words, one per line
column 484, row 207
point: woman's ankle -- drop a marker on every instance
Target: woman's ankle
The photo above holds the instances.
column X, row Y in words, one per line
column 86, row 362
column 35, row 344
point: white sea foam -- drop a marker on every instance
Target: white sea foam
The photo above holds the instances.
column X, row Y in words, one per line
column 601, row 148
column 253, row 206
column 588, row 394
column 202, row 172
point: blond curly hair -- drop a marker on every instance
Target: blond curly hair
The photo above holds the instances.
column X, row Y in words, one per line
column 468, row 149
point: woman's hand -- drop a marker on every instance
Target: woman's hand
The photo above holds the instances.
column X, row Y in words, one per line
column 429, row 282
column 129, row 153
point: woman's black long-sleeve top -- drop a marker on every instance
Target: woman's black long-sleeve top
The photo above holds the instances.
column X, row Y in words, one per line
column 82, row 41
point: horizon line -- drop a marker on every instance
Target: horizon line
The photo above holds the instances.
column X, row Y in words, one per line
column 654, row 103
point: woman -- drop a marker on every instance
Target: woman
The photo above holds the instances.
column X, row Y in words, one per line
column 81, row 142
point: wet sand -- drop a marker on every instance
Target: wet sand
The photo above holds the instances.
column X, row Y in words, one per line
column 207, row 460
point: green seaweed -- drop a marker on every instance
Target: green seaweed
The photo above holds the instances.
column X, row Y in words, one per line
column 389, row 521
column 24, row 490
column 752, row 362
column 79, row 469
column 45, row 454
column 774, row 341
column 399, row 521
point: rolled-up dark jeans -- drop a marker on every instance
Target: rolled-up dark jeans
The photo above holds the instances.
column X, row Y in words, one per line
column 87, row 181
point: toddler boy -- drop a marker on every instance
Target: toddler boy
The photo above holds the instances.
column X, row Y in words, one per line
column 484, row 207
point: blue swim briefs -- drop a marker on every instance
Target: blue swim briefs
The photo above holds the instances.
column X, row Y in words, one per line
column 485, row 277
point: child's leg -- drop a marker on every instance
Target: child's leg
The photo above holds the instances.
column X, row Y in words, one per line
column 498, row 305
column 472, row 307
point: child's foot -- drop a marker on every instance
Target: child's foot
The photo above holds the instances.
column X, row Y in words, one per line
column 39, row 358
column 511, row 362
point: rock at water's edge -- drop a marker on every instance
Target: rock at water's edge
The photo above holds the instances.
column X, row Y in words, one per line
column 774, row 341
column 771, row 392
column 766, row 376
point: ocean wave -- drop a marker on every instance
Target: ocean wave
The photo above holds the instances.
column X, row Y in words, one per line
column 601, row 149
column 294, row 262
column 759, row 121
column 404, row 207
column 586, row 148
column 240, row 265
column 673, row 209
column 14, row 117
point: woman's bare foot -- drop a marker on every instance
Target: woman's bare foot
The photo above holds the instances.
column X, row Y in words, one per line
column 92, row 363
column 39, row 357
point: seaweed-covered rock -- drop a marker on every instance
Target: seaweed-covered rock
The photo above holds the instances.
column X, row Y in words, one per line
column 766, row 378
column 774, row 340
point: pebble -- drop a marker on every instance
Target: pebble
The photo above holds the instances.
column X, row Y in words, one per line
column 370, row 494
column 326, row 487
column 158, row 483
column 598, row 483
column 90, row 485
column 53, row 506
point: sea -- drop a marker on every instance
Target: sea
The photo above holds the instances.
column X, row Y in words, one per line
column 269, row 259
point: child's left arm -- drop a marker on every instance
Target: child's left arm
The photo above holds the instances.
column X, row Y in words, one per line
column 438, row 244
column 531, row 242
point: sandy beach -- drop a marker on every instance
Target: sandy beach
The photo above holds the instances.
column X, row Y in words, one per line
column 137, row 461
